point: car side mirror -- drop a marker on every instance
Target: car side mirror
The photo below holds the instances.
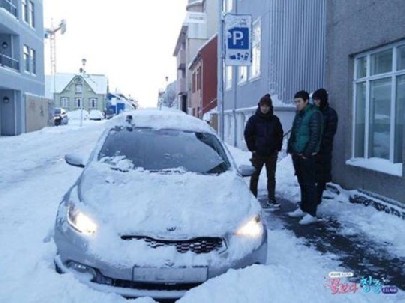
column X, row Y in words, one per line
column 246, row 170
column 74, row 160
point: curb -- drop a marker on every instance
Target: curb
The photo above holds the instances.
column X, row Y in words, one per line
column 380, row 203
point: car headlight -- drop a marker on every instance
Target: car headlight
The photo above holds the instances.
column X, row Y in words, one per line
column 81, row 222
column 253, row 228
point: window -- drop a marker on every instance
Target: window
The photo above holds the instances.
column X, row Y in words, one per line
column 31, row 13
column 28, row 12
column 228, row 76
column 33, row 57
column 78, row 88
column 379, row 96
column 242, row 74
column 78, row 102
column 165, row 150
column 64, row 102
column 227, row 5
column 30, row 60
column 25, row 10
column 93, row 102
column 256, row 49
column 26, row 58
column 199, row 78
column 193, row 80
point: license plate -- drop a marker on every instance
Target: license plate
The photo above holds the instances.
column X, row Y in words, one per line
column 165, row 274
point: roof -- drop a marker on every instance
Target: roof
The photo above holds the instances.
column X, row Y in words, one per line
column 161, row 119
column 58, row 82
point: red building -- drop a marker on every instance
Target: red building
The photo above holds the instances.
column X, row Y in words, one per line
column 203, row 70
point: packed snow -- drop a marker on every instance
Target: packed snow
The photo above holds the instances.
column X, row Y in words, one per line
column 34, row 178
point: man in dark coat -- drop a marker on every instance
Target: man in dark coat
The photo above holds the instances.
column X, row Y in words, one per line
column 264, row 135
column 303, row 145
column 323, row 160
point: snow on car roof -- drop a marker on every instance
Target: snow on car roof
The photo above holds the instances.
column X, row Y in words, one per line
column 160, row 119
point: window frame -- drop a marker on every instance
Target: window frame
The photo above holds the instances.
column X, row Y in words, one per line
column 91, row 105
column 228, row 70
column 255, row 67
column 242, row 74
column 368, row 79
column 64, row 102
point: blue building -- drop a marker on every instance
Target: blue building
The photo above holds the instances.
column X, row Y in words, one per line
column 21, row 62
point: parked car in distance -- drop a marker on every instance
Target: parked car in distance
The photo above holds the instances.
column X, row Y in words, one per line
column 96, row 115
column 159, row 208
column 109, row 113
column 60, row 116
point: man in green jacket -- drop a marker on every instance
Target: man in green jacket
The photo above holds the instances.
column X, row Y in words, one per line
column 303, row 145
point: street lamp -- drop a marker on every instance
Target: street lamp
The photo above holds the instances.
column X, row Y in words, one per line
column 82, row 72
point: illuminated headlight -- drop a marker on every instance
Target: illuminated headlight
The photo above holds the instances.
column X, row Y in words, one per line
column 80, row 221
column 253, row 228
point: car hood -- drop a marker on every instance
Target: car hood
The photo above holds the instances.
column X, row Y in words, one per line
column 139, row 202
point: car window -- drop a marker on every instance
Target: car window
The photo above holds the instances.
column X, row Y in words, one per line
column 160, row 150
column 57, row 111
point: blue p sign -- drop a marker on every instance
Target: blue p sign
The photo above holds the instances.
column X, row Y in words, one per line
column 238, row 38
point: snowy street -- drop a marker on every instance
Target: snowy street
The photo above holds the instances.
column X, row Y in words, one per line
column 34, row 177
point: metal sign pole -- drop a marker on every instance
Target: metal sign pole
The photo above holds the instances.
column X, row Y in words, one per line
column 220, row 67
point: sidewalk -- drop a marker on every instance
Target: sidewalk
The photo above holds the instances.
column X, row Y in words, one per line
column 356, row 251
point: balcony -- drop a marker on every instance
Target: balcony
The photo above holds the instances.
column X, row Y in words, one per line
column 6, row 61
column 181, row 59
column 9, row 6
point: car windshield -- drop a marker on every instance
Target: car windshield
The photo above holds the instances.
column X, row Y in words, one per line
column 164, row 150
column 57, row 111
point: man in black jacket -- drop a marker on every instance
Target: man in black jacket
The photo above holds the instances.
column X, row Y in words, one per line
column 264, row 136
column 323, row 160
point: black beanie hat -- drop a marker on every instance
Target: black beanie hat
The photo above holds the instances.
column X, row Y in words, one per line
column 320, row 94
column 302, row 94
column 266, row 99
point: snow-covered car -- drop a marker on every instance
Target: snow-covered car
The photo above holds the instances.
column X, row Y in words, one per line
column 60, row 116
column 159, row 208
column 96, row 115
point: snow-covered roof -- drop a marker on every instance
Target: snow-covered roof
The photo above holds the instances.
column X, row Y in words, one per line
column 58, row 82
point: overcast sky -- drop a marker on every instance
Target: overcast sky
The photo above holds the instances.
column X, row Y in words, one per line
column 130, row 41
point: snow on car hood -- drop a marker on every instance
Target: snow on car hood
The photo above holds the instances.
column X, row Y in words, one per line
column 139, row 202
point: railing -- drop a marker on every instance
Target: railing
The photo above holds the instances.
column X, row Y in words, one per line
column 9, row 62
column 9, row 6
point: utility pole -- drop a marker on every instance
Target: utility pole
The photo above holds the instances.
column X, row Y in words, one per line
column 82, row 73
column 51, row 34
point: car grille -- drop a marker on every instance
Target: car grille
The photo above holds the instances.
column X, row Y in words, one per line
column 200, row 245
column 150, row 286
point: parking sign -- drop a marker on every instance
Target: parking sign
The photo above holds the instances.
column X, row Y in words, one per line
column 238, row 41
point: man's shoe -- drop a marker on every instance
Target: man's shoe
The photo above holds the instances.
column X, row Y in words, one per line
column 296, row 213
column 308, row 219
column 271, row 204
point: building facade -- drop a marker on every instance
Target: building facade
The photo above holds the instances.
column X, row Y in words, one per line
column 288, row 55
column 203, row 70
column 21, row 62
column 365, row 77
column 199, row 26
column 72, row 92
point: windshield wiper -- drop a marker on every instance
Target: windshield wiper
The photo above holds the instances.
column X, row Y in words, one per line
column 218, row 169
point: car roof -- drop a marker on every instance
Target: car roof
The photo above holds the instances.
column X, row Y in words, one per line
column 161, row 119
